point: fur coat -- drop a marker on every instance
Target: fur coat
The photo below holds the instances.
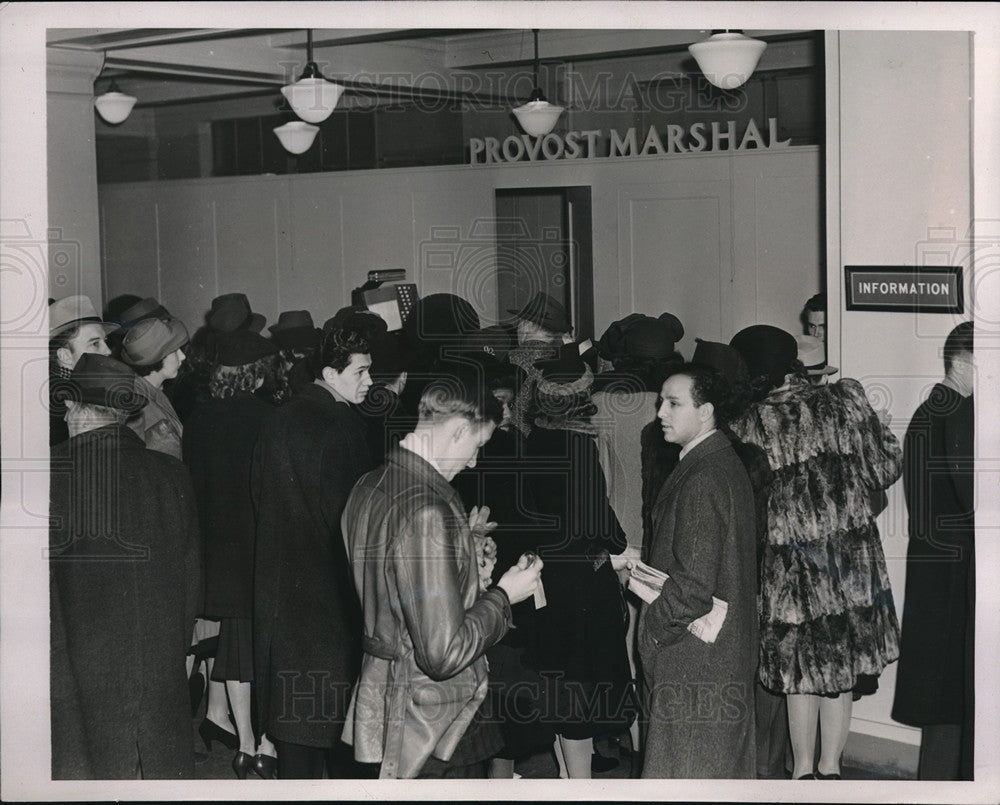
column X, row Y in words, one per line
column 827, row 612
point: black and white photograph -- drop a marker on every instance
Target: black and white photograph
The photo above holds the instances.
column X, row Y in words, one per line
column 552, row 400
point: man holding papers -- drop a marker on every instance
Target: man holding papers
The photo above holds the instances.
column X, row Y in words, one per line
column 698, row 636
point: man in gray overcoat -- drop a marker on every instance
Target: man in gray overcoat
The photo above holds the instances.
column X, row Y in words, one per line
column 698, row 695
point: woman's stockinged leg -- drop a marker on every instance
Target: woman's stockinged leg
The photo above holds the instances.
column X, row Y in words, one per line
column 577, row 755
column 239, row 702
column 834, row 725
column 803, row 712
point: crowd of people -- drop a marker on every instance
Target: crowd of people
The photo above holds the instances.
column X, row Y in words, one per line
column 438, row 551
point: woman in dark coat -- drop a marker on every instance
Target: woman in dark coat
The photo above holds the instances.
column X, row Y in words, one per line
column 577, row 641
column 218, row 447
column 125, row 579
column 307, row 626
column 828, row 621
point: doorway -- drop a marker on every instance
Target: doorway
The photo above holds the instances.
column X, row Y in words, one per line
column 545, row 243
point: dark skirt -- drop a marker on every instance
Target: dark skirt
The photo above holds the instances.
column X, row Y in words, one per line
column 234, row 655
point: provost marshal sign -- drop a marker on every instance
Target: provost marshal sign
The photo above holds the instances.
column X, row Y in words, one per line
column 905, row 289
column 673, row 139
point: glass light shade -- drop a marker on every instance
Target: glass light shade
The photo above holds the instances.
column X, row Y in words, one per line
column 727, row 59
column 114, row 107
column 313, row 99
column 538, row 118
column 297, row 137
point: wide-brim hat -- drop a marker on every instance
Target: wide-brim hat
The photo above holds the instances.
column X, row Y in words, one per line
column 812, row 355
column 71, row 311
column 241, row 347
column 766, row 350
column 295, row 330
column 721, row 357
column 545, row 311
column 101, row 380
column 232, row 312
column 147, row 308
column 151, row 340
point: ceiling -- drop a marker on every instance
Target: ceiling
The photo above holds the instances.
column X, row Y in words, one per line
column 165, row 66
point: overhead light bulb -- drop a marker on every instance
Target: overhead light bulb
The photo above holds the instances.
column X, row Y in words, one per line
column 296, row 137
column 537, row 117
column 727, row 58
column 114, row 106
column 312, row 97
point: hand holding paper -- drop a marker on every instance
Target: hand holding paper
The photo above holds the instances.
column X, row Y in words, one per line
column 646, row 582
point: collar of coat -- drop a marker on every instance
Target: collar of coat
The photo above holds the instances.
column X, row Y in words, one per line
column 710, row 444
column 424, row 471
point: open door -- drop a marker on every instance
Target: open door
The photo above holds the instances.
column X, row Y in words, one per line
column 545, row 243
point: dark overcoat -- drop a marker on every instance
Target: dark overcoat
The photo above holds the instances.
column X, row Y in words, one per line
column 219, row 440
column 577, row 641
column 307, row 621
column 937, row 456
column 124, row 584
column 699, row 697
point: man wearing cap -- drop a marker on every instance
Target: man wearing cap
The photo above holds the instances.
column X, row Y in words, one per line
column 74, row 330
column 306, row 625
column 124, row 582
column 543, row 325
column 153, row 349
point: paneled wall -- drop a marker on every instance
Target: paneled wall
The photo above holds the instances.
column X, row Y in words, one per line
column 722, row 240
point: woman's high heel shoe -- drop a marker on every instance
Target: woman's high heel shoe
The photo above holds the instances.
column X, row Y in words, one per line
column 265, row 766
column 242, row 763
column 210, row 731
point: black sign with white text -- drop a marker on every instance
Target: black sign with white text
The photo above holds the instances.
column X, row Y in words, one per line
column 910, row 289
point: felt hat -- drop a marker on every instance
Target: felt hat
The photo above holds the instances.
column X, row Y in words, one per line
column 295, row 330
column 71, row 311
column 567, row 368
column 147, row 308
column 766, row 350
column 151, row 340
column 674, row 325
column 241, row 347
column 611, row 345
column 441, row 317
column 812, row 355
column 231, row 312
column 101, row 380
column 721, row 357
column 115, row 307
column 545, row 311
column 496, row 340
column 359, row 319
column 649, row 338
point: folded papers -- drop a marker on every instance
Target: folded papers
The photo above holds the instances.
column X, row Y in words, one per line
column 646, row 582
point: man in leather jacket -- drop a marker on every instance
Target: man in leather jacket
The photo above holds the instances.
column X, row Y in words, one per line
column 427, row 619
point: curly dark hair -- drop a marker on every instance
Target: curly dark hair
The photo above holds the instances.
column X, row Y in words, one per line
column 709, row 385
column 337, row 347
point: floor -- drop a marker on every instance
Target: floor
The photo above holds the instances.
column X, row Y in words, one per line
column 217, row 764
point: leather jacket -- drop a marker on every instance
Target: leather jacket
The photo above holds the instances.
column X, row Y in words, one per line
column 426, row 624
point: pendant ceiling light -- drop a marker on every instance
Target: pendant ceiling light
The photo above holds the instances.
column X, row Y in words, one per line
column 727, row 58
column 114, row 106
column 312, row 97
column 537, row 117
column 296, row 137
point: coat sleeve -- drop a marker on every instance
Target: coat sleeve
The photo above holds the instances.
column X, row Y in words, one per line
column 882, row 455
column 702, row 513
column 446, row 637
